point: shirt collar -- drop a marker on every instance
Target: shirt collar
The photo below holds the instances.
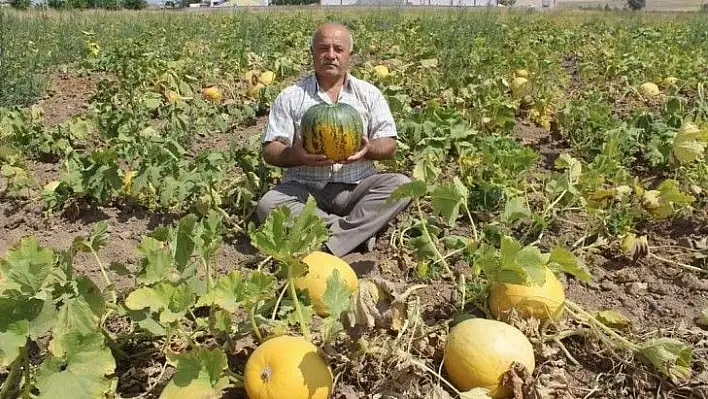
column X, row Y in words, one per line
column 348, row 78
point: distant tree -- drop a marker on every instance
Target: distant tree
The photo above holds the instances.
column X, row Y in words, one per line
column 508, row 3
column 20, row 4
column 636, row 4
column 135, row 4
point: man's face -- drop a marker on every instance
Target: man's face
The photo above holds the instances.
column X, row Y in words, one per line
column 330, row 52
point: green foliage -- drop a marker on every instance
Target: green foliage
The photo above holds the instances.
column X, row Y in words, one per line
column 636, row 4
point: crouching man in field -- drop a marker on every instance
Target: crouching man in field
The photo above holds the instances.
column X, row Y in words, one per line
column 350, row 194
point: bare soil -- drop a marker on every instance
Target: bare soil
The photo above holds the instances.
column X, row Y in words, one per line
column 68, row 95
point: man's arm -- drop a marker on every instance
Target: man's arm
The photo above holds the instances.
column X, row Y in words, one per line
column 382, row 130
column 381, row 149
column 277, row 153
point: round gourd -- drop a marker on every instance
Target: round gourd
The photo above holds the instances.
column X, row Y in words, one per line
column 332, row 129
column 267, row 78
column 381, row 71
column 255, row 91
column 518, row 85
column 321, row 265
column 540, row 301
column 649, row 89
column 287, row 367
column 521, row 73
column 478, row 353
column 212, row 93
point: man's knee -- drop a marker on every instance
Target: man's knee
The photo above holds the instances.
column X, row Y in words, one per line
column 394, row 180
column 399, row 179
column 265, row 205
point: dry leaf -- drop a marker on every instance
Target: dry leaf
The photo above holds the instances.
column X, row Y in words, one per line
column 438, row 393
column 518, row 379
column 476, row 393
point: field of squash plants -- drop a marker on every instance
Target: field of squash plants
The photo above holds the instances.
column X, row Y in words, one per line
column 555, row 246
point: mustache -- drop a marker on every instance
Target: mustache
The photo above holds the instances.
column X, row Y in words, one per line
column 330, row 63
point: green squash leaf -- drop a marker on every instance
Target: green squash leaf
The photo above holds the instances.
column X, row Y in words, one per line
column 78, row 370
column 612, row 319
column 199, row 374
column 563, row 260
column 447, row 198
column 27, row 268
column 670, row 356
column 336, row 297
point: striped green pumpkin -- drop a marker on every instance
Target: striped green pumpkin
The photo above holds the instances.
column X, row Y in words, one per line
column 332, row 129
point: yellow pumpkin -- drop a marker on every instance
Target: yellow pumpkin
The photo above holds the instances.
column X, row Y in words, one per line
column 381, row 71
column 478, row 353
column 540, row 301
column 287, row 367
column 251, row 77
column 521, row 73
column 518, row 85
column 267, row 78
column 321, row 265
column 212, row 94
column 255, row 91
column 649, row 89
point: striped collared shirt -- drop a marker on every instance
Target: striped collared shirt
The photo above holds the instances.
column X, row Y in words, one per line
column 288, row 108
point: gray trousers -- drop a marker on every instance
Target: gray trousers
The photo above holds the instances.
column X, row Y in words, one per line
column 352, row 212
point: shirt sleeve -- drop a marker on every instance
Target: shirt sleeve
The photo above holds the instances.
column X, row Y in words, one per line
column 381, row 123
column 280, row 122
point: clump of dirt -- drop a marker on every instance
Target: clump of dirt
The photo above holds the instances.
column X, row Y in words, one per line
column 570, row 64
column 68, row 96
column 549, row 144
column 222, row 141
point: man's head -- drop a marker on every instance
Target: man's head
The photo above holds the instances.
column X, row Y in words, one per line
column 331, row 46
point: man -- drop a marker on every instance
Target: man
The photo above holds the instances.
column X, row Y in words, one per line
column 349, row 194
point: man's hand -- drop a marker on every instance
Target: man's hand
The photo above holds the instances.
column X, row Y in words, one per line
column 279, row 154
column 361, row 152
column 302, row 157
column 374, row 150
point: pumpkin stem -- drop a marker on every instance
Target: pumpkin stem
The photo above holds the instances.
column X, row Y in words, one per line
column 266, row 374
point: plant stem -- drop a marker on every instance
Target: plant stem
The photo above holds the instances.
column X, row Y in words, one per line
column 575, row 308
column 228, row 218
column 463, row 288
column 254, row 324
column 679, row 264
column 263, row 262
column 280, row 298
column 207, row 271
column 430, row 239
column 553, row 204
column 28, row 378
column 109, row 284
column 15, row 372
column 298, row 311
column 474, row 228
column 425, row 367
